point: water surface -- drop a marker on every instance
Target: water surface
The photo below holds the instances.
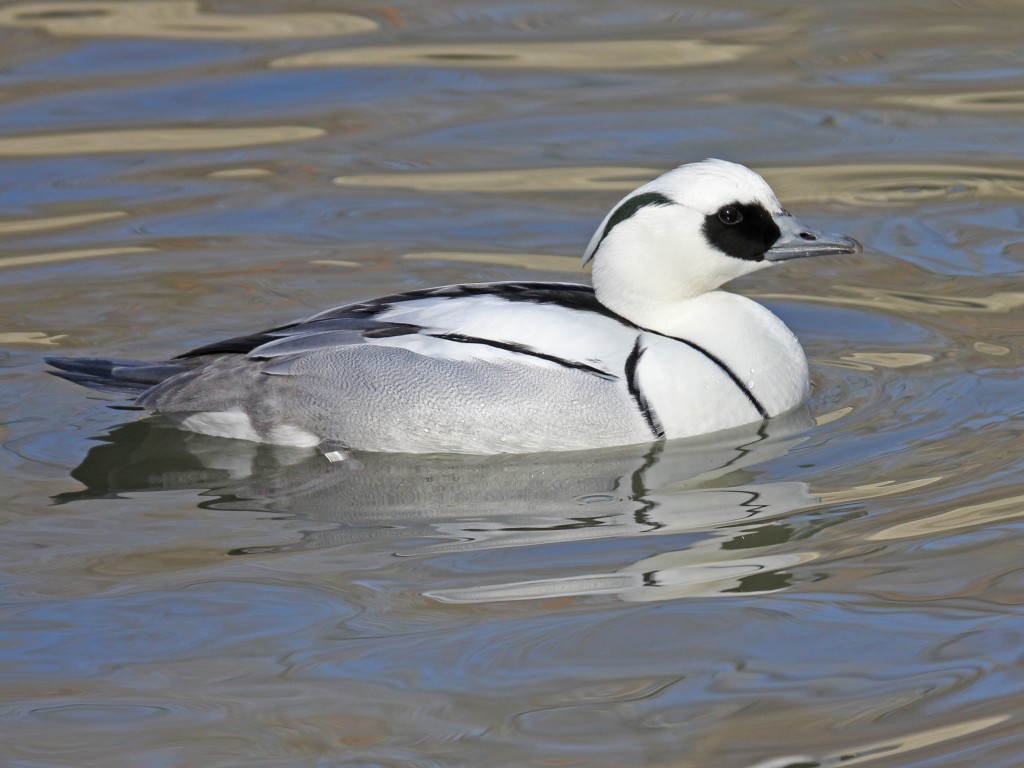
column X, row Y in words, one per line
column 841, row 588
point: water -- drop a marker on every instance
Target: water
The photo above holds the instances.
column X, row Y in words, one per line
column 841, row 589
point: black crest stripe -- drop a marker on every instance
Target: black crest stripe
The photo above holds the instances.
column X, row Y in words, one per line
column 628, row 208
column 632, row 382
column 522, row 349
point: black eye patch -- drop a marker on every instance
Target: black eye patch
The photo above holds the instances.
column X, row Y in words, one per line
column 741, row 230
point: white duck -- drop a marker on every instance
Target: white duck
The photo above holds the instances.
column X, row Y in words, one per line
column 654, row 350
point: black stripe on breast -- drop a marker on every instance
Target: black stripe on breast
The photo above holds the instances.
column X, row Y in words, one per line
column 522, row 349
column 633, row 383
column 726, row 369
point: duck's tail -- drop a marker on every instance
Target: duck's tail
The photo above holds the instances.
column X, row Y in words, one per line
column 121, row 377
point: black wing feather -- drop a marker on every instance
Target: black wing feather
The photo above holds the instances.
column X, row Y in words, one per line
column 360, row 316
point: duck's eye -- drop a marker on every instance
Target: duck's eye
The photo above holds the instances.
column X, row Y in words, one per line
column 730, row 215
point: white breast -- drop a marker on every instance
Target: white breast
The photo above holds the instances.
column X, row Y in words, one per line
column 691, row 393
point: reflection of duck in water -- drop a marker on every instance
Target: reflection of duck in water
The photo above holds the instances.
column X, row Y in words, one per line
column 694, row 508
column 654, row 350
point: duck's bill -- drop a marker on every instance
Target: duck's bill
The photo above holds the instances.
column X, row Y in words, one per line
column 798, row 242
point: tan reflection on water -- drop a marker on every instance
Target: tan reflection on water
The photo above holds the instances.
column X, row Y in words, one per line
column 869, row 184
column 985, row 102
column 562, row 54
column 336, row 263
column 833, row 416
column 240, row 173
column 30, row 337
column 985, row 513
column 56, row 222
column 868, row 361
column 87, row 253
column 152, row 140
column 995, row 350
column 180, row 19
column 873, row 490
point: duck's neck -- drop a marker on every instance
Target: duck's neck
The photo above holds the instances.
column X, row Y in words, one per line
column 674, row 317
column 623, row 280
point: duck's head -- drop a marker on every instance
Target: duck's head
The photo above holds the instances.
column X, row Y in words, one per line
column 690, row 231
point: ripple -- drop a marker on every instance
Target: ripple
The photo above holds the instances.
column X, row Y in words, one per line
column 175, row 19
column 98, row 714
column 894, row 301
column 871, row 184
column 992, row 350
column 556, row 55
